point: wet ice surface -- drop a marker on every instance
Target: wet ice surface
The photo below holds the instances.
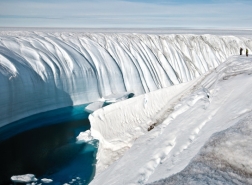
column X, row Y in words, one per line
column 48, row 148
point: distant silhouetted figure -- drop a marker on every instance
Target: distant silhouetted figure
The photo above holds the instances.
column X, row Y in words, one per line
column 241, row 51
column 247, row 52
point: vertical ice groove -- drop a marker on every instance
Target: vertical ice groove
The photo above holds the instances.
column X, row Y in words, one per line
column 134, row 70
column 153, row 66
column 164, row 81
column 145, row 66
column 120, row 55
column 57, row 69
column 119, row 68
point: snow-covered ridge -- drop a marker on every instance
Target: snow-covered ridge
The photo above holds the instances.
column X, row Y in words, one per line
column 42, row 71
column 217, row 101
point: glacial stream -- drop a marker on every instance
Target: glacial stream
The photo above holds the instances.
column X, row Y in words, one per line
column 45, row 145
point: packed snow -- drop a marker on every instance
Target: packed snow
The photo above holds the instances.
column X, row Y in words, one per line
column 217, row 101
column 41, row 71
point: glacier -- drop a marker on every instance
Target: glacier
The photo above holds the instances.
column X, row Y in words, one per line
column 41, row 71
column 173, row 77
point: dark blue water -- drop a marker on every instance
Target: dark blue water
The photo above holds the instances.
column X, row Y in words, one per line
column 45, row 145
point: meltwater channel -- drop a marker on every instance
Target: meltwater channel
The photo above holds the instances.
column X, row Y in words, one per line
column 45, row 145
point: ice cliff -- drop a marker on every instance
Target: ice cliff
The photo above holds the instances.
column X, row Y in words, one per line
column 41, row 71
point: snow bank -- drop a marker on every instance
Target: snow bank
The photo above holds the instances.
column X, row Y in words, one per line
column 43, row 71
column 219, row 100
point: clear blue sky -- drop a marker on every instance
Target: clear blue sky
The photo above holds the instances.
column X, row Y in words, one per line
column 126, row 13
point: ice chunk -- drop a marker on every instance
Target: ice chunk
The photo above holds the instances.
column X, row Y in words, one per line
column 45, row 180
column 84, row 137
column 24, row 178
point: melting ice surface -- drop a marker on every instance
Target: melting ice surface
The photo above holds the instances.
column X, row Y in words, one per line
column 45, row 145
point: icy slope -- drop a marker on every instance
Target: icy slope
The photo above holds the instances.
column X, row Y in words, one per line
column 224, row 159
column 217, row 102
column 41, row 71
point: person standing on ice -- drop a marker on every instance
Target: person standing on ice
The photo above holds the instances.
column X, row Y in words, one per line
column 247, row 52
column 241, row 51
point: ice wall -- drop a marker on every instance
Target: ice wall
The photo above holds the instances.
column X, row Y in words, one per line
column 41, row 71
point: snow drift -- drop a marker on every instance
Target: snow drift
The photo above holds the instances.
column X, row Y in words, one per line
column 43, row 71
